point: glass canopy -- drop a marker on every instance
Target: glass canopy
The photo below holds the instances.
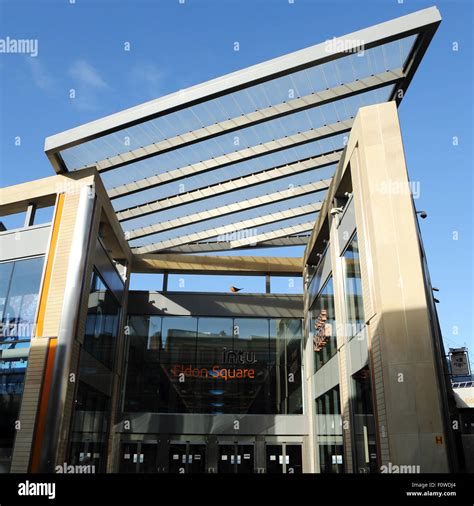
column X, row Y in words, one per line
column 244, row 160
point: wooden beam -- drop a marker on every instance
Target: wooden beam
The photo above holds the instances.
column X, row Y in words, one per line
column 42, row 192
column 219, row 265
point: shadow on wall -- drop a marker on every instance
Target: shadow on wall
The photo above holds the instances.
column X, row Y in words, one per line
column 215, row 304
column 406, row 420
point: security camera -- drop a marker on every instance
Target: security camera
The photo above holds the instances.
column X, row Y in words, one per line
column 422, row 214
column 336, row 210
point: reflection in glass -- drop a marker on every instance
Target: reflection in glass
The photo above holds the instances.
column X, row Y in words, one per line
column 91, row 417
column 353, row 289
column 365, row 448
column 102, row 322
column 215, row 365
column 329, row 432
column 315, row 281
column 215, row 340
column 12, row 377
column 6, row 269
column 89, row 437
column 179, row 340
column 324, row 303
column 19, row 286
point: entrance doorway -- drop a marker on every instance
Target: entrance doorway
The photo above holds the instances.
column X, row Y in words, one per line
column 138, row 457
column 187, row 457
column 284, row 458
column 236, row 458
column 196, row 454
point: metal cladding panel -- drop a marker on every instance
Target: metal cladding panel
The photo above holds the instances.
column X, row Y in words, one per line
column 24, row 242
column 215, row 304
column 154, row 423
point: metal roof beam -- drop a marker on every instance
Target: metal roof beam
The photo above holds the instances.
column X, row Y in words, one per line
column 272, row 112
column 231, row 185
column 231, row 228
column 235, row 207
column 242, row 155
column 212, row 247
column 275, row 234
column 376, row 35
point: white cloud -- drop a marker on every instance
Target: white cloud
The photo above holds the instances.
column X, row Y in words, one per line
column 41, row 77
column 87, row 75
column 149, row 77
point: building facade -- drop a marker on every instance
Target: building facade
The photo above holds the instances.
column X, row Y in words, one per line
column 348, row 377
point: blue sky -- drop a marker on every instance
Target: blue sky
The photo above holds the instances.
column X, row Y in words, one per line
column 173, row 46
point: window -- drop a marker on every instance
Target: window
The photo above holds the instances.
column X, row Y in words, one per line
column 251, row 336
column 329, row 432
column 91, row 417
column 89, row 436
column 143, row 364
column 179, row 336
column 6, row 270
column 322, row 313
column 215, row 338
column 102, row 322
column 19, row 286
column 214, row 365
column 353, row 288
column 365, row 449
column 316, row 280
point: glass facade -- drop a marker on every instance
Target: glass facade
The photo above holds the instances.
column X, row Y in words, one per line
column 19, row 287
column 353, row 288
column 94, row 390
column 213, row 365
column 101, row 323
column 322, row 313
column 365, row 448
column 329, row 432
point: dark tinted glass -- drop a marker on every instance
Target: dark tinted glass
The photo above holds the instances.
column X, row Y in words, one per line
column 214, row 365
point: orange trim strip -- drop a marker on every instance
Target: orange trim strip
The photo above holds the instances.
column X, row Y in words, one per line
column 51, row 353
column 43, row 407
column 49, row 265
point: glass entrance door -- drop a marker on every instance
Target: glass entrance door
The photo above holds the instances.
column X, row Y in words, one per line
column 140, row 457
column 236, row 458
column 129, row 458
column 245, row 458
column 187, row 458
column 147, row 458
column 177, row 458
column 274, row 459
column 284, row 458
column 226, row 462
column 293, row 459
column 196, row 458
column 88, row 453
